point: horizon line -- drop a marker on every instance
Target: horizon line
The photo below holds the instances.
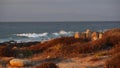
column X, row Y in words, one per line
column 59, row 21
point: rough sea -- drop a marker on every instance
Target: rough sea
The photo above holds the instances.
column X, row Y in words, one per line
column 42, row 31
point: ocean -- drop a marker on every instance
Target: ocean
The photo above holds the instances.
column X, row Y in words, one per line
column 42, row 31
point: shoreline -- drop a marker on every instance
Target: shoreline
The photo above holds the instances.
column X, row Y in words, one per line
column 86, row 50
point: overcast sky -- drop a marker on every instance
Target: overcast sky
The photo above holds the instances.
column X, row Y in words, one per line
column 59, row 10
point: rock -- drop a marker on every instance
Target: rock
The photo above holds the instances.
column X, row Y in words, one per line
column 95, row 36
column 100, row 35
column 88, row 33
column 19, row 62
column 77, row 35
column 83, row 35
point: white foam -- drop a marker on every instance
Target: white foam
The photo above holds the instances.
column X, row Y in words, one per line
column 26, row 37
column 56, row 34
column 62, row 32
column 31, row 35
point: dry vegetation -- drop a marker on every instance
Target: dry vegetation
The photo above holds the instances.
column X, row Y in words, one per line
column 115, row 60
column 47, row 65
column 115, row 50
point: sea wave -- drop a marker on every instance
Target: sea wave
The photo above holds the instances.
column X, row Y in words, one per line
column 63, row 33
column 46, row 34
column 31, row 35
column 28, row 37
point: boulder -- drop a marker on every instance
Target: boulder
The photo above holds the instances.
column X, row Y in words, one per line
column 100, row 35
column 88, row 33
column 95, row 36
column 19, row 62
column 77, row 35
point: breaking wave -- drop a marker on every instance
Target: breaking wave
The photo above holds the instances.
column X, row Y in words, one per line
column 31, row 35
column 27, row 37
column 46, row 34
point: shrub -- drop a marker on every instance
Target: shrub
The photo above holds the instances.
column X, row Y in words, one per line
column 62, row 40
column 23, row 53
column 115, row 49
column 2, row 50
column 114, row 62
column 47, row 65
column 27, row 53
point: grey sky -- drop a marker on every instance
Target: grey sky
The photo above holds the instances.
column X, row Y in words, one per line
column 59, row 10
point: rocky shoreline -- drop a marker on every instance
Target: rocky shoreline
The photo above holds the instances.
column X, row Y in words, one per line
column 84, row 49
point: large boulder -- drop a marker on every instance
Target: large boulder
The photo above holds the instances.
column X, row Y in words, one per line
column 19, row 62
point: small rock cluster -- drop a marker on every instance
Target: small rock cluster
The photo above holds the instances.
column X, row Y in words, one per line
column 89, row 34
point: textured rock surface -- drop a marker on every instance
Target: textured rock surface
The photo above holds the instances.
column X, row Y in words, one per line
column 19, row 62
column 16, row 63
column 77, row 35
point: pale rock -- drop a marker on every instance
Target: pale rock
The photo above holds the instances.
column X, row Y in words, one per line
column 77, row 35
column 95, row 36
column 100, row 35
column 88, row 33
column 19, row 62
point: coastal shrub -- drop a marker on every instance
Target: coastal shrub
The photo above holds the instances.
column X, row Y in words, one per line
column 114, row 62
column 62, row 40
column 112, row 32
column 112, row 37
column 47, row 65
column 53, row 42
column 27, row 53
column 115, row 49
column 8, row 51
column 2, row 50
